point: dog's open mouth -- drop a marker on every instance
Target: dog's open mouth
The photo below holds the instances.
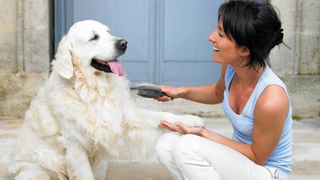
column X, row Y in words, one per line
column 113, row 66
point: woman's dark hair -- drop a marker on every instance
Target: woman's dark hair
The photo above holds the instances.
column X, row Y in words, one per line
column 252, row 25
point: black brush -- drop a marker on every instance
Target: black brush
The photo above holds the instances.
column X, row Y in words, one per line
column 150, row 91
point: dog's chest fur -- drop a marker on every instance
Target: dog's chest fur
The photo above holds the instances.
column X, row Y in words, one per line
column 96, row 113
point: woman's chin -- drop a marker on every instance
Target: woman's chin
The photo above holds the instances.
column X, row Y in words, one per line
column 216, row 60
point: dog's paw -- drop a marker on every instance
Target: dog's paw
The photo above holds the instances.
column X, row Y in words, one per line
column 13, row 170
column 193, row 121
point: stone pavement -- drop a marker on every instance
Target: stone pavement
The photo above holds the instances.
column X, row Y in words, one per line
column 306, row 142
column 306, row 149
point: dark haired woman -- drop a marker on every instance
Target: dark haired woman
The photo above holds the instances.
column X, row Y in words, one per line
column 254, row 99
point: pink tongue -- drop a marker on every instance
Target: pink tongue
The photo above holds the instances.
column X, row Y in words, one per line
column 116, row 67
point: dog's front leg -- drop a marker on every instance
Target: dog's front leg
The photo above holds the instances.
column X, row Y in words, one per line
column 154, row 118
column 78, row 164
column 100, row 164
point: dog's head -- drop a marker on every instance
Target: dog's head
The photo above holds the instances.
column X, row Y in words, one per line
column 90, row 45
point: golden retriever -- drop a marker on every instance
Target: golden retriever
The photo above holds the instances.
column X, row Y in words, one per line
column 84, row 113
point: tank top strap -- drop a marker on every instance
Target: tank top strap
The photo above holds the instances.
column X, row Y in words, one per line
column 228, row 76
column 266, row 79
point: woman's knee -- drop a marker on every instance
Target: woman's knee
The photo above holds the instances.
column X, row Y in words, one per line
column 174, row 147
column 165, row 144
column 186, row 146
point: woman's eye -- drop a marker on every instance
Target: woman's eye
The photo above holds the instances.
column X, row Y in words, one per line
column 220, row 34
column 94, row 37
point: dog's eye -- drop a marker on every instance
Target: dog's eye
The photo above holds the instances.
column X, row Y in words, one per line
column 94, row 37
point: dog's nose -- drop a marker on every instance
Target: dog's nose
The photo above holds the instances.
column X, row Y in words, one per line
column 121, row 44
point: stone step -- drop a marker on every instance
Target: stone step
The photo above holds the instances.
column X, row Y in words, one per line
column 306, row 152
column 119, row 170
column 305, row 170
column 123, row 170
column 7, row 123
column 305, row 139
column 306, row 147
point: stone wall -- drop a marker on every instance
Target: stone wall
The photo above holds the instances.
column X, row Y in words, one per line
column 24, row 57
column 25, row 46
column 299, row 65
column 8, row 34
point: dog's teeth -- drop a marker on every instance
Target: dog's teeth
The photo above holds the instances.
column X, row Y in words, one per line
column 101, row 62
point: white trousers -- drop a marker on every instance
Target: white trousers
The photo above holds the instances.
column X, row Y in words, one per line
column 191, row 157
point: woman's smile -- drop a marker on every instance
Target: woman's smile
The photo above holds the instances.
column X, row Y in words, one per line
column 215, row 49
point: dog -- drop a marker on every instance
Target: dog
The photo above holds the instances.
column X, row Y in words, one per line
column 84, row 113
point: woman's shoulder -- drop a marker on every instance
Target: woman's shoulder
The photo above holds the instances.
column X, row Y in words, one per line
column 273, row 100
column 270, row 78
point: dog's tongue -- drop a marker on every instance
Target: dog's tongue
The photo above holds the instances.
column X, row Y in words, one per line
column 116, row 67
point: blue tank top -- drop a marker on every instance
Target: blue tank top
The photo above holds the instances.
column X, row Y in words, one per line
column 281, row 157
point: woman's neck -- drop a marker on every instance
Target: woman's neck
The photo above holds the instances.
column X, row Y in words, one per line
column 247, row 76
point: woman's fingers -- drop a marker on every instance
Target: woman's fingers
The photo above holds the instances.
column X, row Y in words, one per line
column 164, row 98
column 168, row 125
column 184, row 128
column 174, row 127
column 193, row 130
column 171, row 126
column 169, row 91
column 181, row 128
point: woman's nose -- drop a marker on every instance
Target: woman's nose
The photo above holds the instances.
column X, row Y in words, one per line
column 212, row 37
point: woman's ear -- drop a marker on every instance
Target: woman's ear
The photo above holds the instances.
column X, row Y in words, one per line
column 62, row 63
column 244, row 51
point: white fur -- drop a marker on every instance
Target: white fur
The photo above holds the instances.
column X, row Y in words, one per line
column 82, row 116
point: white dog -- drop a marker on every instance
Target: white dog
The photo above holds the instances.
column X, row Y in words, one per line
column 84, row 113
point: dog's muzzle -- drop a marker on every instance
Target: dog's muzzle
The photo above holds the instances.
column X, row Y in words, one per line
column 121, row 45
column 112, row 66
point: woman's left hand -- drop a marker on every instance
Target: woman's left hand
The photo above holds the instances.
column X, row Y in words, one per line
column 182, row 128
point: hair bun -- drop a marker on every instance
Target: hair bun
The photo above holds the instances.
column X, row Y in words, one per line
column 277, row 37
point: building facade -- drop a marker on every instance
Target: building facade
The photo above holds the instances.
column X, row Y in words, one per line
column 27, row 45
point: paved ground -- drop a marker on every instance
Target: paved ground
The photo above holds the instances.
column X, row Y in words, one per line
column 306, row 149
column 306, row 141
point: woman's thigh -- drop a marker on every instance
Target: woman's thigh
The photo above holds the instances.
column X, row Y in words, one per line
column 200, row 158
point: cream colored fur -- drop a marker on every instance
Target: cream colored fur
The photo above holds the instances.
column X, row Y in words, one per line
column 82, row 116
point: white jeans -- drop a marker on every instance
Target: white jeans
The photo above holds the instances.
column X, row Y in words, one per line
column 191, row 157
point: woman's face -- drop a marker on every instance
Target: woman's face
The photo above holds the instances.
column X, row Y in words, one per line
column 225, row 50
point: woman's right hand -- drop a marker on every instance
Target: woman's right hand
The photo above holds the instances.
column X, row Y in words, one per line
column 171, row 92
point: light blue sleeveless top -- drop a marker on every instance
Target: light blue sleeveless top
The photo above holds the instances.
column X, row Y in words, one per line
column 281, row 157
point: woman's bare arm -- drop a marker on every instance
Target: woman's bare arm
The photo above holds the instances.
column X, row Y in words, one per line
column 270, row 113
column 208, row 94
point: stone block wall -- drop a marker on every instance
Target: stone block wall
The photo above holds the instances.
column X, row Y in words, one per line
column 25, row 49
column 8, row 35
column 301, row 22
column 24, row 53
column 299, row 65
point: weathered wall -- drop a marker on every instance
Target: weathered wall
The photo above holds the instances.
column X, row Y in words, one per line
column 299, row 66
column 24, row 54
column 8, row 35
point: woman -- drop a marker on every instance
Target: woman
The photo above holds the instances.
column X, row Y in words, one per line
column 254, row 99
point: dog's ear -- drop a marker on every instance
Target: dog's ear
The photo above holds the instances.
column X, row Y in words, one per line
column 62, row 63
